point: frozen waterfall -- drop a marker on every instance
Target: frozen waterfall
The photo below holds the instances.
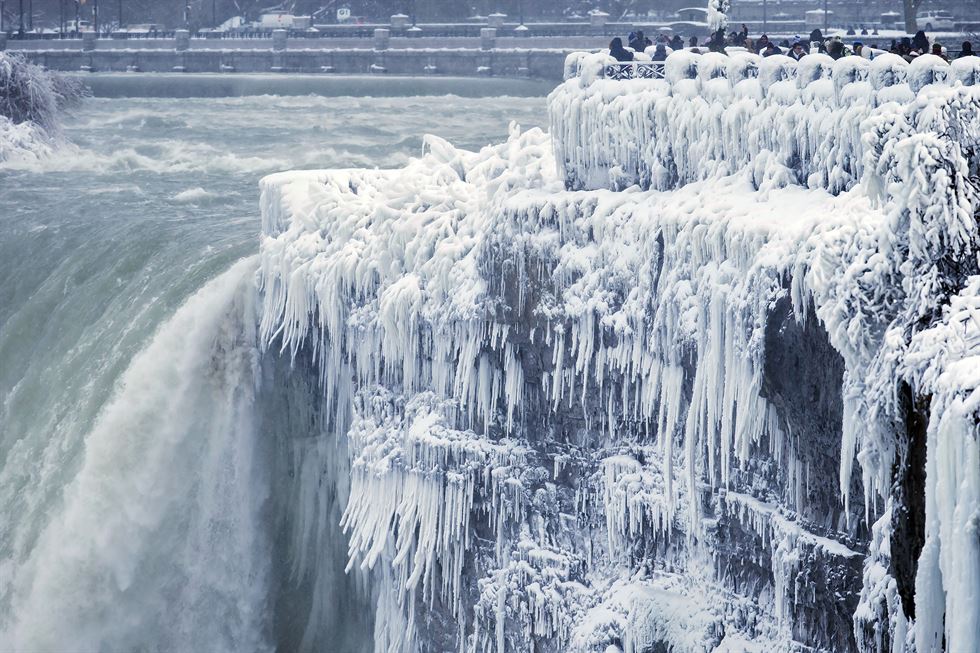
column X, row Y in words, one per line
column 682, row 374
column 694, row 371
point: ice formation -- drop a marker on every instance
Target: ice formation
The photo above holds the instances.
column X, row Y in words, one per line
column 695, row 371
column 30, row 101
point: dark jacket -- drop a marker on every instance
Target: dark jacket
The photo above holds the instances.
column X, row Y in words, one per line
column 640, row 43
column 920, row 42
column 618, row 52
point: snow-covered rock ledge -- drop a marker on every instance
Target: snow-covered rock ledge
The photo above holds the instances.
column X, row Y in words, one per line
column 631, row 419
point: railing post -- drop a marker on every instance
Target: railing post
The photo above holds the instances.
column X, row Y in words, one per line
column 496, row 20
column 381, row 36
column 182, row 40
column 597, row 21
column 488, row 38
column 279, row 39
column 3, row 41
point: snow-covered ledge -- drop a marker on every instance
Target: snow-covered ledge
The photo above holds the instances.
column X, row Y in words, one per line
column 795, row 122
column 630, row 418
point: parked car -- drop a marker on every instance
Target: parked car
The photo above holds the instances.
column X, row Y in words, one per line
column 935, row 20
column 82, row 26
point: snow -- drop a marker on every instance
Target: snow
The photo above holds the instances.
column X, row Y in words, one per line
column 717, row 14
column 619, row 273
column 31, row 99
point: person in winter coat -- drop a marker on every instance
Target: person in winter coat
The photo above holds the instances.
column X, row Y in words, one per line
column 717, row 42
column 618, row 52
column 816, row 36
column 797, row 52
column 677, row 43
column 639, row 42
column 660, row 54
column 762, row 44
column 920, row 42
column 835, row 49
column 937, row 49
column 967, row 50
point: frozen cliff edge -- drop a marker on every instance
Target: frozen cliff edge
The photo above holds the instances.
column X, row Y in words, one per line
column 613, row 399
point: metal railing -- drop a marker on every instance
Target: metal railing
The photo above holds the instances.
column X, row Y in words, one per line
column 634, row 70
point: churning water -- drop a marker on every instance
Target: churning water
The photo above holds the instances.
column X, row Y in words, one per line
column 161, row 487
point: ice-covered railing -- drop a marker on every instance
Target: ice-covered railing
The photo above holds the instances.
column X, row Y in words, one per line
column 789, row 122
column 634, row 70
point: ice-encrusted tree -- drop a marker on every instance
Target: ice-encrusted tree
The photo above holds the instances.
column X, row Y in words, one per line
column 28, row 93
column 718, row 14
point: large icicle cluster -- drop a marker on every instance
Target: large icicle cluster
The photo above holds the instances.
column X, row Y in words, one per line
column 569, row 427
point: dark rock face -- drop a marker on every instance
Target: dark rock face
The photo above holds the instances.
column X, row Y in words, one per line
column 909, row 513
column 802, row 379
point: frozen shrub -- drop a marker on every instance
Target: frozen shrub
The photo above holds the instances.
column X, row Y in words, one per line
column 28, row 93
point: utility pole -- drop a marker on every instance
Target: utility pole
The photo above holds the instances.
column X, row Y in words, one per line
column 78, row 14
column 61, row 19
column 214, row 13
column 22, row 17
column 30, row 15
column 120, row 15
column 825, row 18
column 765, row 17
column 95, row 17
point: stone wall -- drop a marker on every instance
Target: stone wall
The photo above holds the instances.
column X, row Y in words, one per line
column 543, row 64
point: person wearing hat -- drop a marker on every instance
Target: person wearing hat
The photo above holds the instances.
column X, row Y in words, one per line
column 967, row 50
column 797, row 52
column 856, row 48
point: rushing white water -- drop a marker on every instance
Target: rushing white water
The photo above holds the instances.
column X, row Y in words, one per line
column 158, row 543
column 157, row 491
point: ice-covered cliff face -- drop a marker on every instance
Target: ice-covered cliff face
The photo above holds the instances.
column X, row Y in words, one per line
column 723, row 400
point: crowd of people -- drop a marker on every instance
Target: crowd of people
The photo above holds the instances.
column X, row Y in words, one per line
column 796, row 48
